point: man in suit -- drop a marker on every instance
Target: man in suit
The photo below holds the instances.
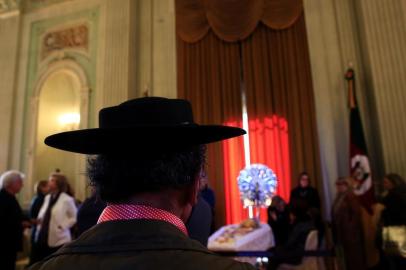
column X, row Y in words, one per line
column 148, row 155
column 11, row 219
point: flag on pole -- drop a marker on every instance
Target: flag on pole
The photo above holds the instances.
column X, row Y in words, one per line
column 359, row 162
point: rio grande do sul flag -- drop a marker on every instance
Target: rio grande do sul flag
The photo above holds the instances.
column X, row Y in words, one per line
column 359, row 162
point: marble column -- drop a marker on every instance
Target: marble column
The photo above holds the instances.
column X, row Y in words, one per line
column 118, row 81
column 156, row 53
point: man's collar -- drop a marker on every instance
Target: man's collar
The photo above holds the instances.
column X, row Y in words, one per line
column 132, row 211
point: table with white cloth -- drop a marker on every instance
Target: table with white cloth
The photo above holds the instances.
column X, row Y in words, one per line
column 237, row 238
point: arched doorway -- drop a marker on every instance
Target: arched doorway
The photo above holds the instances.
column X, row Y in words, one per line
column 58, row 110
column 59, row 103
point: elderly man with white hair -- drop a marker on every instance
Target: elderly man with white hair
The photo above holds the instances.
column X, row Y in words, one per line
column 11, row 218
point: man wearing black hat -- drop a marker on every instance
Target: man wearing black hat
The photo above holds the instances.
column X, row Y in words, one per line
column 148, row 155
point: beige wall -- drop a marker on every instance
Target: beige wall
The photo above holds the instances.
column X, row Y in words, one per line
column 9, row 41
column 135, row 53
column 327, row 72
column 156, row 48
column 370, row 34
column 383, row 32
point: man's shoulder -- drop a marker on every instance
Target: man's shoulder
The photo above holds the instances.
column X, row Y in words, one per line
column 148, row 259
column 8, row 201
column 129, row 244
column 5, row 196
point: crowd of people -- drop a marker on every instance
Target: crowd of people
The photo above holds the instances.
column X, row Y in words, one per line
column 151, row 203
column 360, row 236
column 292, row 223
column 53, row 217
column 54, row 220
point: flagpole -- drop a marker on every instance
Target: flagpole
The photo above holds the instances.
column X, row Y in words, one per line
column 349, row 76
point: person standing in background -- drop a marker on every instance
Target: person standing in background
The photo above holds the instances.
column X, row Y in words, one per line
column 394, row 200
column 347, row 226
column 89, row 212
column 305, row 193
column 42, row 190
column 56, row 218
column 307, row 196
column 394, row 213
column 291, row 252
column 208, row 195
column 278, row 219
column 199, row 222
column 11, row 219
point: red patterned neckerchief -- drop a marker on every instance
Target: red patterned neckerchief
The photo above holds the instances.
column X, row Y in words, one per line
column 132, row 211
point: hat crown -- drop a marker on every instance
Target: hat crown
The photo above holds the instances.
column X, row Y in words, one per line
column 147, row 111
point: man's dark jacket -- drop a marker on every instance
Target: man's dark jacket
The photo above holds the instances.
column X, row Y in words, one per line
column 135, row 244
column 11, row 229
column 11, row 218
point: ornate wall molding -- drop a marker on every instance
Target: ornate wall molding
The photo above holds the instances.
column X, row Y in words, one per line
column 76, row 37
column 37, row 4
column 75, row 70
column 9, row 7
column 60, row 39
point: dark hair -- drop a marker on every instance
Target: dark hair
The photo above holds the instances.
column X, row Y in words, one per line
column 276, row 200
column 395, row 179
column 300, row 177
column 61, row 181
column 302, row 174
column 40, row 185
column 117, row 177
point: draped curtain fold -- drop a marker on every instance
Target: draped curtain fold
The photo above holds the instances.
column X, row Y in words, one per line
column 270, row 56
column 232, row 20
column 280, row 101
column 209, row 77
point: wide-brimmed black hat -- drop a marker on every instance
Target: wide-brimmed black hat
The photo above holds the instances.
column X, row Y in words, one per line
column 142, row 124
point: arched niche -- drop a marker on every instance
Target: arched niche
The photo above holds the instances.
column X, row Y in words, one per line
column 60, row 97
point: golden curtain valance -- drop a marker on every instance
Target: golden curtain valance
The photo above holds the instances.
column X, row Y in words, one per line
column 232, row 20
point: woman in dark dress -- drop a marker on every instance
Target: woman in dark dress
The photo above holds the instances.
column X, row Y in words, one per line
column 308, row 197
column 305, row 193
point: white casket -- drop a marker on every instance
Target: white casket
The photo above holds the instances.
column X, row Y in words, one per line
column 239, row 238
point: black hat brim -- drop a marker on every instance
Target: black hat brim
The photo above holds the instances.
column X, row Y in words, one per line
column 143, row 138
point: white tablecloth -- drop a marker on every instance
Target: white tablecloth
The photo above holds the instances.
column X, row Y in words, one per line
column 260, row 239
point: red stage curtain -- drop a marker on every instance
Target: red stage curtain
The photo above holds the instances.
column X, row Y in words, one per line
column 276, row 72
column 269, row 145
column 234, row 162
column 280, row 103
column 209, row 77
